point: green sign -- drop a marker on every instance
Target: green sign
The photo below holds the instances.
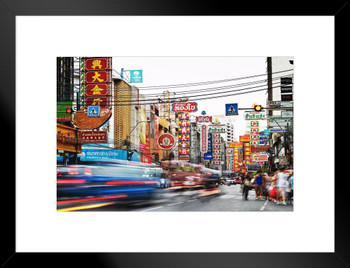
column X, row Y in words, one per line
column 254, row 116
column 61, row 109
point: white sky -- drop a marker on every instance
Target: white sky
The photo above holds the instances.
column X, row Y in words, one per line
column 179, row 70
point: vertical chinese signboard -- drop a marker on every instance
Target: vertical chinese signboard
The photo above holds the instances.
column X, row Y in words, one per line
column 96, row 81
column 216, row 148
column 156, row 134
column 236, row 167
column 204, row 139
column 184, row 136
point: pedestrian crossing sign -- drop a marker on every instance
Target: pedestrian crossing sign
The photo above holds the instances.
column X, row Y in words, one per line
column 94, row 111
column 231, row 109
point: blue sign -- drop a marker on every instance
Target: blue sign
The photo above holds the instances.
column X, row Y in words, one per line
column 102, row 155
column 231, row 109
column 266, row 132
column 263, row 138
column 277, row 130
column 136, row 76
column 208, row 156
column 136, row 157
column 94, row 111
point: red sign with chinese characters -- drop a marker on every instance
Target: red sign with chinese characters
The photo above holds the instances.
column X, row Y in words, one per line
column 260, row 148
column 98, row 89
column 94, row 136
column 98, row 76
column 97, row 101
column 98, row 63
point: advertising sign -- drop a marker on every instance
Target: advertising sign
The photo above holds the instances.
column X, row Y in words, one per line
column 235, row 145
column 188, row 107
column 204, row 119
column 143, row 126
column 204, row 139
column 262, row 158
column 98, row 89
column 287, row 114
column 217, row 128
column 254, row 116
column 208, row 156
column 94, row 137
column 210, row 143
column 261, row 148
column 95, row 86
column 136, row 76
column 217, row 146
column 244, row 138
column 286, row 89
column 62, row 116
column 166, row 141
column 287, row 97
column 98, row 76
column 277, row 130
column 184, row 136
column 156, row 134
column 102, row 155
column 98, row 63
column 231, row 109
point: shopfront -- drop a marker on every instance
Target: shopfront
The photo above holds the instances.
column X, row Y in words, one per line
column 68, row 144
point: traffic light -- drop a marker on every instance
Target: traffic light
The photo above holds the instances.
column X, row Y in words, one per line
column 69, row 110
column 257, row 108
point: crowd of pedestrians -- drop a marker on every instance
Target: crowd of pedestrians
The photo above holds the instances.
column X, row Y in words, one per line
column 277, row 186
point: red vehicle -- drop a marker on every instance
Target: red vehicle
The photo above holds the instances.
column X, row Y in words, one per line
column 184, row 174
column 237, row 181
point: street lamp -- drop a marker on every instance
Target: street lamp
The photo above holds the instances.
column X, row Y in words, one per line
column 127, row 141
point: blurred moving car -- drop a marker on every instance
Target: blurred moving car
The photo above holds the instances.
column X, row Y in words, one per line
column 86, row 186
column 189, row 179
column 237, row 180
column 230, row 181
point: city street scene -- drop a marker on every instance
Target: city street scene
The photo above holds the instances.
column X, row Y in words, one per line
column 148, row 134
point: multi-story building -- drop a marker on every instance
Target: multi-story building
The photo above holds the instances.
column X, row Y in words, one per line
column 280, row 119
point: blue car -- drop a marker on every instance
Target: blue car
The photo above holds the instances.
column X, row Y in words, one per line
column 94, row 185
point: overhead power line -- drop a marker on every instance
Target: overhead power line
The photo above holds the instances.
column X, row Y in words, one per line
column 207, row 82
column 146, row 102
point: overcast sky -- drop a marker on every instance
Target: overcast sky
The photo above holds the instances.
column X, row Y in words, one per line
column 180, row 70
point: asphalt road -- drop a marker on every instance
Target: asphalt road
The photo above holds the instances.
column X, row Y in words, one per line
column 230, row 199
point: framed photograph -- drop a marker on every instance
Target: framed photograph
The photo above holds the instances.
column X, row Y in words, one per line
column 45, row 223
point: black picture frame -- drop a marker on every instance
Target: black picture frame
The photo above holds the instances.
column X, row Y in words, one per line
column 9, row 9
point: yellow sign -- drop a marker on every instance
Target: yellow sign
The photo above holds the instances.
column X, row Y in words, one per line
column 235, row 145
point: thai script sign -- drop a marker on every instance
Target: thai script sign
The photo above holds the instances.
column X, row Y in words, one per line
column 217, row 128
column 188, row 107
column 94, row 136
column 260, row 148
column 204, row 119
column 255, row 116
